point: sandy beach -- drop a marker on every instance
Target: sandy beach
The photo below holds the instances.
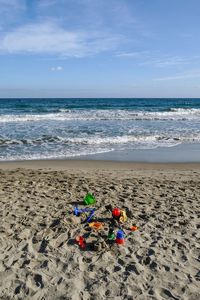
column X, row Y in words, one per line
column 40, row 259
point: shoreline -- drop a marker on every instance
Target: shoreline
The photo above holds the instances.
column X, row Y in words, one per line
column 179, row 154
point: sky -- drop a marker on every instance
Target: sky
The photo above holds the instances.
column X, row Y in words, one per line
column 99, row 48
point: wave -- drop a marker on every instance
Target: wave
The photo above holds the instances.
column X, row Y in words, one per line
column 176, row 114
column 96, row 140
column 49, row 147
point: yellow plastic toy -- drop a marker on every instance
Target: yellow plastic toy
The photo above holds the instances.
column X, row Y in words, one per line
column 123, row 218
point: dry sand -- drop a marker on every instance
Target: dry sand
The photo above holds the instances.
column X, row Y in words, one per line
column 40, row 260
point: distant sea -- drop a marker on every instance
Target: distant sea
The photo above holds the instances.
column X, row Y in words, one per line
column 64, row 128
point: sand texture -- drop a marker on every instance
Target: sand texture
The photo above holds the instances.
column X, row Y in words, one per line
column 39, row 258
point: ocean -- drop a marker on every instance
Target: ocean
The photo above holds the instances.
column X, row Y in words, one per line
column 64, row 128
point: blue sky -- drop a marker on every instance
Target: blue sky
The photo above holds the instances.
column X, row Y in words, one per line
column 99, row 48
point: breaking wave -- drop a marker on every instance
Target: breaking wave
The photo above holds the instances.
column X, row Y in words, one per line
column 93, row 140
column 176, row 114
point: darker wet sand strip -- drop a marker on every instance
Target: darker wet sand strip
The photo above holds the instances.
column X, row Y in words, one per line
column 95, row 164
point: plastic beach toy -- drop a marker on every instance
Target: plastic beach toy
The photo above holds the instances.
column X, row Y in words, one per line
column 81, row 241
column 89, row 199
column 111, row 234
column 119, row 215
column 96, row 225
column 120, row 237
column 116, row 213
column 78, row 211
column 90, row 215
column 123, row 218
column 134, row 228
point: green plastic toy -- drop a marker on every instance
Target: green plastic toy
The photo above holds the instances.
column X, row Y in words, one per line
column 111, row 234
column 89, row 199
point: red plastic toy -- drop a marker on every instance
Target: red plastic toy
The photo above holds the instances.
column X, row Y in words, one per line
column 120, row 237
column 116, row 212
column 81, row 241
column 120, row 241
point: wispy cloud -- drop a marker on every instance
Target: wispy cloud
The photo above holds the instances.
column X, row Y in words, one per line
column 10, row 10
column 167, row 61
column 157, row 60
column 56, row 69
column 100, row 15
column 10, row 6
column 46, row 3
column 103, row 26
column 131, row 54
column 50, row 38
column 185, row 75
column 11, row 3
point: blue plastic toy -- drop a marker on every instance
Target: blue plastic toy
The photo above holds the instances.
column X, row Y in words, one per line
column 120, row 237
column 120, row 234
column 78, row 211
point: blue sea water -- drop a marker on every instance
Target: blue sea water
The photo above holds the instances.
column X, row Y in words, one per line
column 61, row 128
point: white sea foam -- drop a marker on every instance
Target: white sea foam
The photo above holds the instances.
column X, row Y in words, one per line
column 100, row 140
column 118, row 140
column 52, row 155
column 70, row 115
column 50, row 147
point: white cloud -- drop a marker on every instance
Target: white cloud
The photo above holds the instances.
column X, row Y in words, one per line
column 145, row 58
column 186, row 75
column 50, row 38
column 167, row 61
column 58, row 68
column 132, row 54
